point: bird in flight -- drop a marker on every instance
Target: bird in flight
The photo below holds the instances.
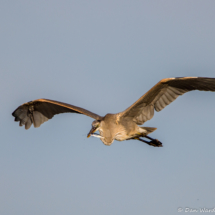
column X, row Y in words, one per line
column 123, row 125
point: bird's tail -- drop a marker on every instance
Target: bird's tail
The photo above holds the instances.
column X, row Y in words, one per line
column 147, row 130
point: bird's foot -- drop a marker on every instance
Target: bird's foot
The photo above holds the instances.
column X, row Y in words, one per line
column 155, row 143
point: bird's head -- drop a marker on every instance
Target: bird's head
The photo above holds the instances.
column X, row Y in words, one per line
column 95, row 127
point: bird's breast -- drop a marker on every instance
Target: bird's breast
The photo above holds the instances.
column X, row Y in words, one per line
column 121, row 134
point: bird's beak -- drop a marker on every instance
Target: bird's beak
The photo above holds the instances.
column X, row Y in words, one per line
column 91, row 132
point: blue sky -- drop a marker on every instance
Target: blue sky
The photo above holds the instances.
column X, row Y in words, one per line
column 103, row 56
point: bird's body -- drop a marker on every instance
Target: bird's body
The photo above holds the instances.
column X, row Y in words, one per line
column 124, row 125
column 111, row 129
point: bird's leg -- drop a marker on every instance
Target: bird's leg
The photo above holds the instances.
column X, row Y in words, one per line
column 137, row 138
column 153, row 142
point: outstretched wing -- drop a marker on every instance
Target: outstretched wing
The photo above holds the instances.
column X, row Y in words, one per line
column 41, row 110
column 163, row 93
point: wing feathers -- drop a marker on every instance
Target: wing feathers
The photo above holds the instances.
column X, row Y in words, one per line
column 163, row 93
column 39, row 119
column 21, row 115
column 166, row 99
column 177, row 91
column 168, row 96
column 146, row 113
column 158, row 106
column 41, row 110
column 28, row 124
